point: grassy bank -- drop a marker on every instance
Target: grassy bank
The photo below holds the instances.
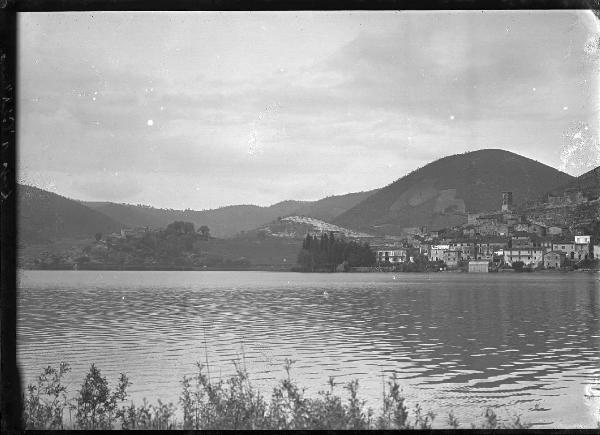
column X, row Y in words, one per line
column 234, row 403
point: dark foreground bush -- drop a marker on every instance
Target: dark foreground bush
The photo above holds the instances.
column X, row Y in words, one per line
column 230, row 404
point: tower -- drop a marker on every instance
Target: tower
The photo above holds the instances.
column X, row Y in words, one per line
column 507, row 201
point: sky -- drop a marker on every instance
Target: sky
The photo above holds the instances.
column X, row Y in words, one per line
column 207, row 109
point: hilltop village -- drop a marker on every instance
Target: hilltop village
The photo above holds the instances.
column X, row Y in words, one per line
column 560, row 233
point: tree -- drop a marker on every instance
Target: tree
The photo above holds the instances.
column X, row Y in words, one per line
column 204, row 232
column 96, row 404
column 518, row 266
column 98, row 236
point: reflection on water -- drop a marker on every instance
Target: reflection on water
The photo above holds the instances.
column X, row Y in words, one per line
column 528, row 344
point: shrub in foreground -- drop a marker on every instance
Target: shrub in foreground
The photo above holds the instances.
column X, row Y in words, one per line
column 226, row 404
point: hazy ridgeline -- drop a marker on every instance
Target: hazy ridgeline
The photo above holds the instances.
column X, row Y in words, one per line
column 206, row 403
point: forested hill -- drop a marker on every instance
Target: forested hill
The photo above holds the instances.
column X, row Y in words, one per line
column 45, row 216
column 441, row 193
column 231, row 220
column 588, row 184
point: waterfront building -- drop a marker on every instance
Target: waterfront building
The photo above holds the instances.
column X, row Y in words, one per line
column 582, row 251
column 528, row 256
column 485, row 250
column 452, row 257
column 567, row 247
column 478, row 266
column 437, row 252
column 391, row 256
column 574, row 250
column 554, row 260
column 467, row 249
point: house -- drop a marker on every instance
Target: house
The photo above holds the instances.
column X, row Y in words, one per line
column 582, row 251
column 520, row 242
column 135, row 232
column 554, row 231
column 391, row 256
column 436, row 252
column 485, row 250
column 554, row 260
column 538, row 229
column 597, row 252
column 566, row 247
column 574, row 250
column 472, row 218
column 469, row 231
column 521, row 228
column 452, row 257
column 527, row 256
column 478, row 266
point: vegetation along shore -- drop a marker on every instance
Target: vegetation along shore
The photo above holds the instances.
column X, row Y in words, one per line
column 206, row 403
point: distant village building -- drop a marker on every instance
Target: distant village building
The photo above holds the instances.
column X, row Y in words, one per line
column 569, row 197
column 538, row 229
column 565, row 247
column 436, row 252
column 467, row 249
column 507, row 201
column 487, row 250
column 579, row 249
column 478, row 266
column 582, row 251
column 452, row 257
column 520, row 242
column 391, row 256
column 554, row 260
column 597, row 252
column 521, row 228
column 554, row 231
column 472, row 218
column 530, row 256
column 133, row 232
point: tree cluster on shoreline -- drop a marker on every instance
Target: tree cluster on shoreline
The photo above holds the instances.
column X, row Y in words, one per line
column 233, row 404
column 177, row 245
column 328, row 254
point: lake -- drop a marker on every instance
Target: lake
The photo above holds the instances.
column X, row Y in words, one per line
column 524, row 344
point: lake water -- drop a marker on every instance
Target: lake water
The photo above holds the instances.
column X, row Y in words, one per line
column 525, row 344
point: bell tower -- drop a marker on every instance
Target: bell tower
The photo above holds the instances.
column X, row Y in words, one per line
column 507, row 201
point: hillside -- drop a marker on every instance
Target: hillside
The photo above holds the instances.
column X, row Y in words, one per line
column 441, row 193
column 296, row 227
column 329, row 208
column 588, row 183
column 45, row 217
column 223, row 222
column 231, row 220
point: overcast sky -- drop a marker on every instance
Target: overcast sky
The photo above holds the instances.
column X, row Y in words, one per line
column 200, row 110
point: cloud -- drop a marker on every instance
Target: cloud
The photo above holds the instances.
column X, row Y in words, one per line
column 350, row 107
column 108, row 186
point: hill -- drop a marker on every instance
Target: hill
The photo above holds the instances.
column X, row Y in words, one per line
column 45, row 217
column 441, row 193
column 329, row 208
column 296, row 227
column 228, row 221
column 588, row 184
